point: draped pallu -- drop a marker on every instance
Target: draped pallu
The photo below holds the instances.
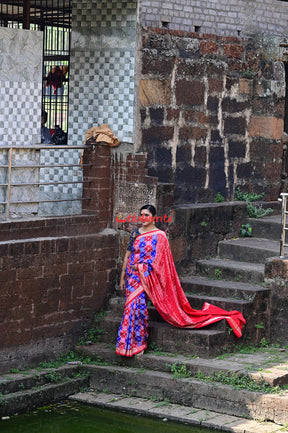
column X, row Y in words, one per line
column 156, row 277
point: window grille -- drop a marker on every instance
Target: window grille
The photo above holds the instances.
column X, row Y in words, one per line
column 53, row 17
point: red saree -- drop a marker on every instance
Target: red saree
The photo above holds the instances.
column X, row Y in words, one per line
column 157, row 276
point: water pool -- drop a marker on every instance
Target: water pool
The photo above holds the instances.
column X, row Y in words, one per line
column 68, row 417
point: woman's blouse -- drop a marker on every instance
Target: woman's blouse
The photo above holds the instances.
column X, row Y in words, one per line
column 132, row 239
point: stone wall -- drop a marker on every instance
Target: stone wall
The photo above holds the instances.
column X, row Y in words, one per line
column 197, row 229
column 212, row 113
column 240, row 17
column 51, row 286
column 20, row 86
column 55, row 273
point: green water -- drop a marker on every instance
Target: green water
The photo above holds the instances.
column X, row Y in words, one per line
column 76, row 418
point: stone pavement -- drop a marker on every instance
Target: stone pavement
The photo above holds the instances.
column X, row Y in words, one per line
column 177, row 413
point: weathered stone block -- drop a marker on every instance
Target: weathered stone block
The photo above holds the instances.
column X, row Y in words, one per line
column 158, row 65
column 245, row 86
column 191, row 68
column 234, row 106
column 172, row 113
column 157, row 134
column 234, row 51
column 237, row 149
column 156, row 115
column 268, row 127
column 189, row 93
column 244, row 171
column 213, row 104
column 215, row 85
column 154, row 91
column 163, row 156
column 235, row 125
column 196, row 133
column 209, row 47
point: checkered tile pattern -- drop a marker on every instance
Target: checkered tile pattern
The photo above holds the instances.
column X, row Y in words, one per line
column 61, row 157
column 102, row 79
column 20, row 112
column 93, row 13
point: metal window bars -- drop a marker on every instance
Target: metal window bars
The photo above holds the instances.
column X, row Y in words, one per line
column 284, row 226
column 9, row 166
column 53, row 18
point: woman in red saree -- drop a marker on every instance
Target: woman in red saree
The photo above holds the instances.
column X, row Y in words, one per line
column 150, row 271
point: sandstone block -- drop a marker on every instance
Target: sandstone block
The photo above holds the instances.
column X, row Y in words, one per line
column 155, row 92
column 268, row 127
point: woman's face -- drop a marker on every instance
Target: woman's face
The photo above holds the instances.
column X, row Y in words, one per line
column 146, row 217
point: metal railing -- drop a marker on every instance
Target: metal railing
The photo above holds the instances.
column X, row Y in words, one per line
column 9, row 166
column 284, row 229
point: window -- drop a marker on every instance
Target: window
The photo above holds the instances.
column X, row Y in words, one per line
column 53, row 17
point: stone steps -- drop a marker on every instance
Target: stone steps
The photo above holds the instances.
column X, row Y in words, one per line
column 269, row 365
column 267, row 228
column 191, row 392
column 174, row 412
column 24, row 391
column 219, row 268
column 254, row 250
column 206, row 342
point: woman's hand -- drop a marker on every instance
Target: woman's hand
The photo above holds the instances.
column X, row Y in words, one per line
column 134, row 267
column 122, row 282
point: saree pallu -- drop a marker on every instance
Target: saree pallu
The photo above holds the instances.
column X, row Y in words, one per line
column 156, row 276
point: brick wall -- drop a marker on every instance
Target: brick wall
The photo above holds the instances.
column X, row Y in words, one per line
column 50, row 287
column 212, row 113
column 222, row 18
column 55, row 273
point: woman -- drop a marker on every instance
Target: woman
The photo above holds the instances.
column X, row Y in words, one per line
column 148, row 269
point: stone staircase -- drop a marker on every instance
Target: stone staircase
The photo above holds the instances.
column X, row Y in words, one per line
column 232, row 280
column 26, row 390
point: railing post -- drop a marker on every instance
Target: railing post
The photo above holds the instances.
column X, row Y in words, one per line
column 283, row 223
column 9, row 184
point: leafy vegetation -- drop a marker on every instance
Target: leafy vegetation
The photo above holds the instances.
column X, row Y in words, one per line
column 219, row 198
column 245, row 231
column 180, row 370
column 240, row 382
column 92, row 333
column 254, row 211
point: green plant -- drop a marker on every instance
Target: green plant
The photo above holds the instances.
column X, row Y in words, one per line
column 203, row 224
column 92, row 332
column 218, row 274
column 254, row 211
column 53, row 377
column 180, row 370
column 245, row 231
column 219, row 198
column 246, row 196
column 249, row 73
column 257, row 211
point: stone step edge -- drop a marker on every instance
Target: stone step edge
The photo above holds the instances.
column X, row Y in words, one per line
column 26, row 380
column 198, row 280
column 175, row 412
column 163, row 361
column 207, row 330
column 190, row 392
column 233, row 264
column 22, row 401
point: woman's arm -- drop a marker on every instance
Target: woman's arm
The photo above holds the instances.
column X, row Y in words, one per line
column 123, row 270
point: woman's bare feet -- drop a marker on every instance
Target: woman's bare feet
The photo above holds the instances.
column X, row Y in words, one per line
column 140, row 354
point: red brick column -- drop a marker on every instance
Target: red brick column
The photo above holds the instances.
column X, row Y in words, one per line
column 99, row 190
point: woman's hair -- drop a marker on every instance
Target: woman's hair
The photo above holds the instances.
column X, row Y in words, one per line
column 149, row 207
